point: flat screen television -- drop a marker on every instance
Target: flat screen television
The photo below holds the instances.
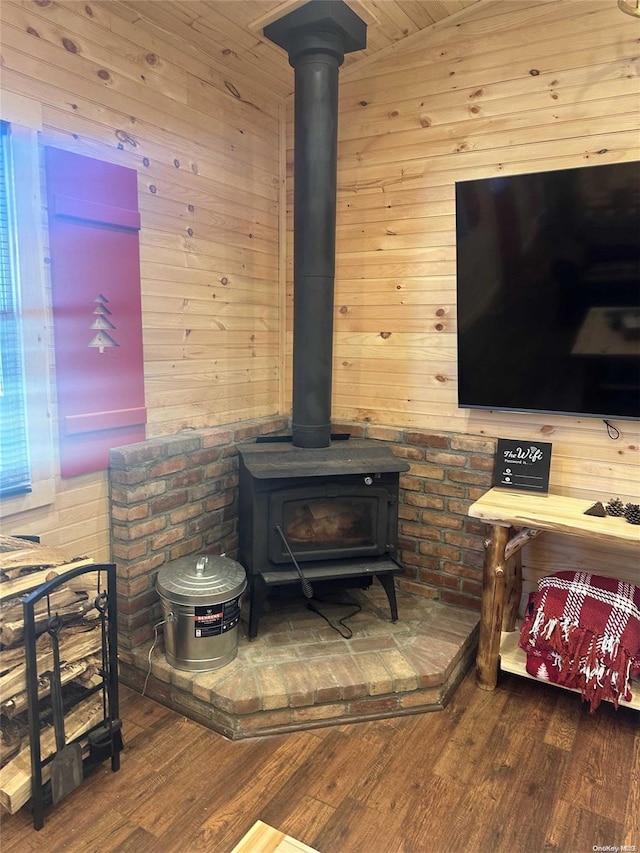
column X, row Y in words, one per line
column 548, row 292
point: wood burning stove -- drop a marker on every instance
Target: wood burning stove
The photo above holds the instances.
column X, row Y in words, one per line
column 316, row 510
column 322, row 516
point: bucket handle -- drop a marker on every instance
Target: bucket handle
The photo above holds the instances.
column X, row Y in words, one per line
column 201, row 566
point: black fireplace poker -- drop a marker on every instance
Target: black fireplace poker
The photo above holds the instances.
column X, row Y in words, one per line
column 316, row 36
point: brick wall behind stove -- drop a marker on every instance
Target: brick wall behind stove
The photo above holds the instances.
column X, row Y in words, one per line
column 440, row 547
column 178, row 495
column 172, row 496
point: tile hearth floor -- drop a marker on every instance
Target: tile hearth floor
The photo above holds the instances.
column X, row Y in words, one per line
column 300, row 673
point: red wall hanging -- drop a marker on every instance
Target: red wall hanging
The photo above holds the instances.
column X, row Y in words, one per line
column 97, row 315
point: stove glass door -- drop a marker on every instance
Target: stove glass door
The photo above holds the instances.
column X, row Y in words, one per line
column 327, row 522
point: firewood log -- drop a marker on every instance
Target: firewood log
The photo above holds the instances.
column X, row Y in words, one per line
column 9, row 750
column 82, row 671
column 14, row 735
column 40, row 554
column 12, row 633
column 12, row 543
column 15, row 776
column 27, row 583
column 25, row 566
column 73, row 647
column 17, row 555
column 12, row 609
column 12, row 657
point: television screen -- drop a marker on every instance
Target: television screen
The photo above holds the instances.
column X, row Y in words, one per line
column 548, row 291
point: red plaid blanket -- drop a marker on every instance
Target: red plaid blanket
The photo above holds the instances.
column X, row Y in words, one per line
column 583, row 631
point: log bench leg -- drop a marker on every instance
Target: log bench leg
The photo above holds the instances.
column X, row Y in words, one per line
column 512, row 591
column 493, row 594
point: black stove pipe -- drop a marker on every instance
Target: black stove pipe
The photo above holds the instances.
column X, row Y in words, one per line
column 316, row 37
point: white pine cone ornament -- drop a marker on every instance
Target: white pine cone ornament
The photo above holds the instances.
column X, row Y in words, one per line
column 632, row 513
column 615, row 507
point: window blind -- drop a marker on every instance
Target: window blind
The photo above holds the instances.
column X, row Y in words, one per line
column 15, row 475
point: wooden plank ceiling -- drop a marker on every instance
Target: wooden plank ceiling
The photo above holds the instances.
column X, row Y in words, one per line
column 230, row 31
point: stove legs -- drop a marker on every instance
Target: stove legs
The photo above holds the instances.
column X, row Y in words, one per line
column 257, row 597
column 389, row 587
column 259, row 592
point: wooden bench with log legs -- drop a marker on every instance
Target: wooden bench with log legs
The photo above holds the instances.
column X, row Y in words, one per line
column 517, row 518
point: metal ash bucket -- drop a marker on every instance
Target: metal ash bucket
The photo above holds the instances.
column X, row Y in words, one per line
column 201, row 599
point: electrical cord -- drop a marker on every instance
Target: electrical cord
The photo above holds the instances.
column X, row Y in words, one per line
column 347, row 633
column 344, row 630
column 153, row 645
column 612, row 431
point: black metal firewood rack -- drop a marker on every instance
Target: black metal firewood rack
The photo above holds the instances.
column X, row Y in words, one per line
column 100, row 741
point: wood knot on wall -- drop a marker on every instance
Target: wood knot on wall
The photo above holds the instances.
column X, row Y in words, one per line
column 231, row 88
column 123, row 136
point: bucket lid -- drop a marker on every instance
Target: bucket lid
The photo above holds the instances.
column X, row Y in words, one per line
column 198, row 580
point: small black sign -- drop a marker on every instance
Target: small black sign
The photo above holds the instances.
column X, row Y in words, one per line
column 522, row 465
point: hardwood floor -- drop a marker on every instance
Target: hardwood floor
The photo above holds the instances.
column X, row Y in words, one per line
column 523, row 769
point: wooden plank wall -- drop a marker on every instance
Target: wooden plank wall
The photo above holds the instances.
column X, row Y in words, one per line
column 505, row 88
column 206, row 144
column 509, row 87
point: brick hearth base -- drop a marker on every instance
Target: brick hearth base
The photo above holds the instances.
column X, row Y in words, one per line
column 299, row 673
